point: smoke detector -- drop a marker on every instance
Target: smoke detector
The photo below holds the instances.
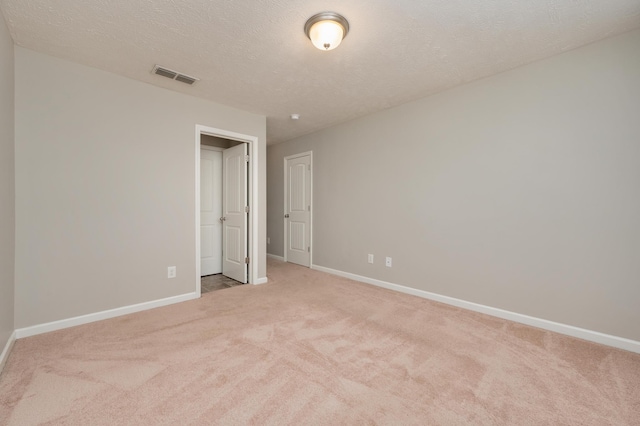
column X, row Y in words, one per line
column 173, row 75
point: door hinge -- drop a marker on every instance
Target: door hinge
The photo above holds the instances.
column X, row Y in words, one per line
column 246, row 260
column 309, row 249
column 309, row 208
column 246, row 209
column 309, row 167
column 246, row 158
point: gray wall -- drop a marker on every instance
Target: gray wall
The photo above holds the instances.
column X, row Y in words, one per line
column 520, row 191
column 7, row 187
column 105, row 188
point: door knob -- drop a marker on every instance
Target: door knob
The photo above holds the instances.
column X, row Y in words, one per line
column 286, row 215
column 222, row 219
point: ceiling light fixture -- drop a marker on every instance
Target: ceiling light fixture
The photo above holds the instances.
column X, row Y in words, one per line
column 326, row 30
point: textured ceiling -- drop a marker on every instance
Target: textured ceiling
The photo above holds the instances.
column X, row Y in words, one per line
column 253, row 54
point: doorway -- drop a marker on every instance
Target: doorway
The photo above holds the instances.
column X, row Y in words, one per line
column 298, row 208
column 223, row 213
column 226, row 226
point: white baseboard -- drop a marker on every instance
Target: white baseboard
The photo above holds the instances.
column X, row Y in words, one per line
column 276, row 257
column 261, row 281
column 98, row 316
column 7, row 350
column 569, row 330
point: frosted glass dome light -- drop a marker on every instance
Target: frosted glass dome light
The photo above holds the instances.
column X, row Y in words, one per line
column 326, row 30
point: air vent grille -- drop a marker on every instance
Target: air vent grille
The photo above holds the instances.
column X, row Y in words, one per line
column 174, row 75
column 185, row 79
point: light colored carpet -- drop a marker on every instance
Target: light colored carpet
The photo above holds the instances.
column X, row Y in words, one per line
column 311, row 348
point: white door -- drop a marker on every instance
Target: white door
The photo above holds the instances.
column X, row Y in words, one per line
column 234, row 212
column 297, row 209
column 210, row 212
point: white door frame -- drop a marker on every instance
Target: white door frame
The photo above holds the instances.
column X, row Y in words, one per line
column 286, row 191
column 252, row 142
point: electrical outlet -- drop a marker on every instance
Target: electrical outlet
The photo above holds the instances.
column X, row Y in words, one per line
column 268, row 240
column 171, row 272
column 387, row 262
column 370, row 258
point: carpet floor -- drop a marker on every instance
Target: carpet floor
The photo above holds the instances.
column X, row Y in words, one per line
column 312, row 348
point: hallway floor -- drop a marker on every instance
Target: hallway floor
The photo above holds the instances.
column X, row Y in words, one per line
column 216, row 282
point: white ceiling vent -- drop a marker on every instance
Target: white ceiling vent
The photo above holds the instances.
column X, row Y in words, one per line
column 173, row 75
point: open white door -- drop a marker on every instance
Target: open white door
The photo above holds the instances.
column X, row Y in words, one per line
column 297, row 209
column 210, row 211
column 234, row 213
